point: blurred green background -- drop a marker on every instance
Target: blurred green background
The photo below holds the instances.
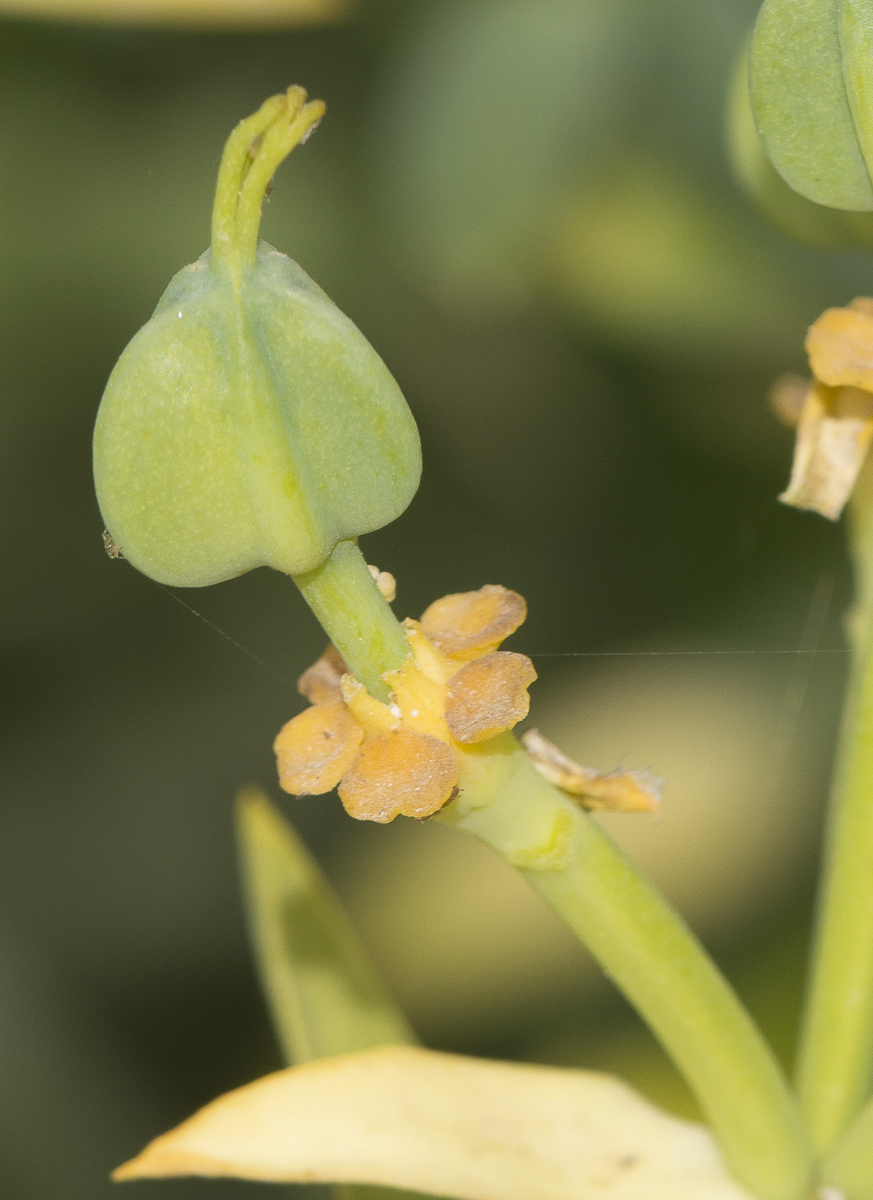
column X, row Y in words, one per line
column 526, row 206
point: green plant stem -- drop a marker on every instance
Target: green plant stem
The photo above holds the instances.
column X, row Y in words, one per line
column 645, row 947
column 836, row 1048
column 355, row 616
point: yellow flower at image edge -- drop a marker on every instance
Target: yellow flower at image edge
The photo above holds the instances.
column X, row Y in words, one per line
column 454, row 694
column 455, row 691
column 833, row 412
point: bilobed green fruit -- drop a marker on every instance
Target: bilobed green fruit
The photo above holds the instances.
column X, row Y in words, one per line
column 795, row 215
column 249, row 422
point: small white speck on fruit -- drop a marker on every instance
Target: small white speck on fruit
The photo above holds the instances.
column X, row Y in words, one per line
column 180, row 316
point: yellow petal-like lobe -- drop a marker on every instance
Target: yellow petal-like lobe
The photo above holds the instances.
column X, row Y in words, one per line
column 428, row 659
column 421, row 701
column 840, row 346
column 452, row 1126
column 611, row 791
column 316, row 748
column 833, row 437
column 489, row 696
column 372, row 714
column 470, row 624
column 401, row 773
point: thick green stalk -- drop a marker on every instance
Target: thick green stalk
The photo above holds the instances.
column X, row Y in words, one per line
column 836, row 1049
column 355, row 616
column 849, row 1165
column 631, row 930
column 656, row 961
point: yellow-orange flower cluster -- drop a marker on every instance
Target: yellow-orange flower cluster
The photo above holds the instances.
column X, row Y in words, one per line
column 456, row 689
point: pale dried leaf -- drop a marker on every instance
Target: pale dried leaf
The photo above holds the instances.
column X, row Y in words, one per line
column 488, row 696
column 192, row 14
column 447, row 1125
column 470, row 624
column 605, row 791
column 400, row 773
column 832, row 442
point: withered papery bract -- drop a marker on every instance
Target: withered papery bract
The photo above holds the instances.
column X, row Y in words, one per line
column 835, row 423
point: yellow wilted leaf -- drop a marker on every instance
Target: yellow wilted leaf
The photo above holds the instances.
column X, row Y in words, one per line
column 210, row 14
column 453, row 1126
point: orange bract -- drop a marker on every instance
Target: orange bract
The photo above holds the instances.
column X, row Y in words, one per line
column 489, row 696
column 471, row 624
column 316, row 748
column 399, row 773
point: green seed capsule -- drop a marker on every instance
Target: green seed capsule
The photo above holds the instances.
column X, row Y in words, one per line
column 793, row 214
column 249, row 422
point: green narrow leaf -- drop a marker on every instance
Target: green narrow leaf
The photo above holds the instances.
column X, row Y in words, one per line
column 801, row 101
column 793, row 214
column 324, row 995
column 849, row 1166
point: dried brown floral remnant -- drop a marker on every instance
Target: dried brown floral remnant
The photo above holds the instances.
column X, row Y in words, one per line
column 322, row 680
column 612, row 791
column 835, row 424
column 401, row 758
column 110, row 545
column 316, row 748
